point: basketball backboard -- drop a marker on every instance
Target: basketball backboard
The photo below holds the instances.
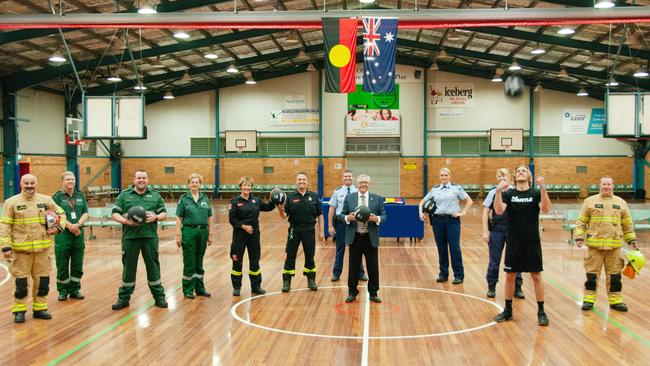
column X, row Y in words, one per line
column 506, row 139
column 114, row 117
column 241, row 141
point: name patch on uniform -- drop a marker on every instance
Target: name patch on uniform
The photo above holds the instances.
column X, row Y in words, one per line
column 41, row 205
column 599, row 205
column 204, row 204
column 295, row 200
column 21, row 207
column 79, row 200
column 240, row 204
column 616, row 207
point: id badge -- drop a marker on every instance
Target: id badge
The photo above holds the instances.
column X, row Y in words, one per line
column 73, row 215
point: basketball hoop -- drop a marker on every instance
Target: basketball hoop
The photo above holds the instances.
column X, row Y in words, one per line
column 506, row 149
column 84, row 144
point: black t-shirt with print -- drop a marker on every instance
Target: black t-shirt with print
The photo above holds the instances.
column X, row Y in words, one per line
column 523, row 214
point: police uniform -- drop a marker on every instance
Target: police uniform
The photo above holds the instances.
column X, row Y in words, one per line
column 194, row 236
column 140, row 238
column 69, row 248
column 336, row 203
column 604, row 224
column 446, row 228
column 303, row 211
column 246, row 212
column 23, row 231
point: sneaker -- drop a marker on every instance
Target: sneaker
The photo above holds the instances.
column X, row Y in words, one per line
column 619, row 307
column 504, row 316
column 542, row 319
column 587, row 306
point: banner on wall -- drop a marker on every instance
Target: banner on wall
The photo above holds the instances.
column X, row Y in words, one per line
column 575, row 121
column 597, row 121
column 451, row 95
column 373, row 114
column 293, row 117
column 403, row 74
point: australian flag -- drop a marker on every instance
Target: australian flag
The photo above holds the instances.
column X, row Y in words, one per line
column 379, row 45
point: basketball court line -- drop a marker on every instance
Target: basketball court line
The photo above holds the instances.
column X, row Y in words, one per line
column 366, row 331
column 8, row 276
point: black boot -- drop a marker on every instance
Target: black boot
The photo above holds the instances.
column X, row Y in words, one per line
column 19, row 317
column 518, row 293
column 311, row 281
column 258, row 290
column 286, row 282
column 42, row 314
column 492, row 292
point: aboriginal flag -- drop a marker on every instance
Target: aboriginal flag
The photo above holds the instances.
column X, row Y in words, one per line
column 340, row 36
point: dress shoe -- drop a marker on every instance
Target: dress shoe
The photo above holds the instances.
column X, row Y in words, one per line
column 363, row 278
column 376, row 299
column 63, row 297
column 236, row 292
column 120, row 305
column 258, row 291
column 335, row 278
column 504, row 316
column 189, row 296
column 76, row 295
column 619, row 307
column 441, row 279
column 42, row 314
column 542, row 319
column 161, row 304
column 19, row 317
column 203, row 293
column 350, row 298
column 587, row 305
column 457, row 281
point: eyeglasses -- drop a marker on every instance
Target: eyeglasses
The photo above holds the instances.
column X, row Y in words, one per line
column 363, row 182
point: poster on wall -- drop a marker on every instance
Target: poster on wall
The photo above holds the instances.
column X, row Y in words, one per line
column 575, row 121
column 451, row 95
column 373, row 114
column 451, row 113
column 597, row 121
column 294, row 117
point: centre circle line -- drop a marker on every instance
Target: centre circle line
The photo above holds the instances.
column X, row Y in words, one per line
column 233, row 312
column 8, row 274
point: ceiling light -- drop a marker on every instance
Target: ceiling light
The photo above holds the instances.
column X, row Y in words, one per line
column 566, row 31
column 291, row 38
column 140, row 87
column 434, row 66
column 563, row 73
column 366, row 1
column 168, row 95
column 147, row 9
column 604, row 4
column 232, row 69
column 57, row 57
column 442, row 53
column 538, row 50
column 582, row 93
column 497, row 78
column 251, row 81
column 114, row 78
column 211, row 55
column 538, row 88
column 514, row 67
column 302, row 54
column 613, row 82
column 186, row 76
column 453, row 35
column 311, row 67
column 641, row 73
column 181, row 35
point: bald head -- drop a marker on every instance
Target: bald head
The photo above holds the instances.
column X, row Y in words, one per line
column 28, row 183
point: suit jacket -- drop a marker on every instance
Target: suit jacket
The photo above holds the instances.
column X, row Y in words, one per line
column 376, row 206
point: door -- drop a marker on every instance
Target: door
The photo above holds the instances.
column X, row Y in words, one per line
column 383, row 172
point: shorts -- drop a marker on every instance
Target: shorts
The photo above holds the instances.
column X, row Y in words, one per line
column 523, row 256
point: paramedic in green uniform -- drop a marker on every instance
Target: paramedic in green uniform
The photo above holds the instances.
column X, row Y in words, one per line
column 136, row 238
column 193, row 233
column 69, row 245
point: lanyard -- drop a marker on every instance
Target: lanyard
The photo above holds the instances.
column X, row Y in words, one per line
column 70, row 202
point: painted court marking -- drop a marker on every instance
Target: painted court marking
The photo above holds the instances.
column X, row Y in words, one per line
column 233, row 312
column 8, row 276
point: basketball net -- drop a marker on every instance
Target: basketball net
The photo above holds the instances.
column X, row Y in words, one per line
column 507, row 149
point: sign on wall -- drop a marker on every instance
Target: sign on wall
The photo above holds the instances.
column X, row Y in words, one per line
column 373, row 114
column 451, row 95
column 583, row 121
column 294, row 113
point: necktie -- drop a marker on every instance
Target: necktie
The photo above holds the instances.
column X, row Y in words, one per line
column 363, row 200
column 348, row 190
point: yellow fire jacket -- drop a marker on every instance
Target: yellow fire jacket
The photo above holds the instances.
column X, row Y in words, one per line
column 605, row 222
column 22, row 225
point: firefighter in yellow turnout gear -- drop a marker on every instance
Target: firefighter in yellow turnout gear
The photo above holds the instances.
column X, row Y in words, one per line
column 26, row 242
column 604, row 224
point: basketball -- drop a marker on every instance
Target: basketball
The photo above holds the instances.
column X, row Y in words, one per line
column 514, row 86
column 429, row 207
column 278, row 197
column 137, row 215
column 52, row 220
column 362, row 213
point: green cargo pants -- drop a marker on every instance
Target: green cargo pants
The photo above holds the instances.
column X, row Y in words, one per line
column 69, row 254
column 131, row 249
column 194, row 241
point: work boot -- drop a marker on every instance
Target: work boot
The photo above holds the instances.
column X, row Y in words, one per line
column 311, row 281
column 63, row 297
column 492, row 291
column 19, row 317
column 42, row 314
column 203, row 293
column 286, row 282
column 236, row 292
column 75, row 295
column 120, row 305
column 258, row 291
column 619, row 307
column 505, row 315
column 518, row 293
column 161, row 304
column 587, row 305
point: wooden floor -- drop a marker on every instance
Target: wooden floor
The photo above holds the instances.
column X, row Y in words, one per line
column 419, row 322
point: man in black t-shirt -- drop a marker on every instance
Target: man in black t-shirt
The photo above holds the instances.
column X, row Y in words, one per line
column 523, row 247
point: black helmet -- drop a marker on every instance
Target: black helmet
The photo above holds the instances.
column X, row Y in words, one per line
column 362, row 213
column 137, row 215
column 429, row 206
column 278, row 196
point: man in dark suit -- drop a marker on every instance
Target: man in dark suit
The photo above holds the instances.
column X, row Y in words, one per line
column 363, row 237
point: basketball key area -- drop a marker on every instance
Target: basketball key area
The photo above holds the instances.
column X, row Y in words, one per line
column 419, row 321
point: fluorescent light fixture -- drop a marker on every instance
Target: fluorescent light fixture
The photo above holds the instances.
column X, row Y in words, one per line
column 514, row 66
column 613, row 82
column 291, row 38
column 604, row 4
column 114, row 78
column 250, row 81
column 366, row 1
column 181, row 35
column 168, row 95
column 147, row 9
column 211, row 55
column 641, row 73
column 57, row 57
column 140, row 87
column 232, row 69
column 497, row 78
column 538, row 50
column 582, row 93
column 566, row 31
column 453, row 35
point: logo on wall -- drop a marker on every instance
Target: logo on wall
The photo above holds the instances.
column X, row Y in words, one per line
column 445, row 95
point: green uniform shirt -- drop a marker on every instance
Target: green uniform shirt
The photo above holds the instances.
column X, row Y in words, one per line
column 150, row 200
column 74, row 206
column 194, row 213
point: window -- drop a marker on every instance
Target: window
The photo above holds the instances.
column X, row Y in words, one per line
column 266, row 147
column 543, row 145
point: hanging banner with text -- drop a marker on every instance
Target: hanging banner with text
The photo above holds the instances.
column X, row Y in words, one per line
column 373, row 114
column 583, row 121
column 451, row 95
